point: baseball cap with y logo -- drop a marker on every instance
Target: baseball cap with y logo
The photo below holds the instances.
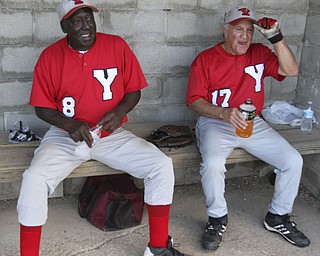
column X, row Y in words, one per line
column 239, row 13
column 67, row 7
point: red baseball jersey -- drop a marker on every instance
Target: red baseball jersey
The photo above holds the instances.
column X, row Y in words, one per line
column 86, row 86
column 227, row 80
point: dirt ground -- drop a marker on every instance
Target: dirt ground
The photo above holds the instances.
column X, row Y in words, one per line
column 67, row 234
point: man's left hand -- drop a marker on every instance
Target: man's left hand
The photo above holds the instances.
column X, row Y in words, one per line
column 269, row 28
column 112, row 120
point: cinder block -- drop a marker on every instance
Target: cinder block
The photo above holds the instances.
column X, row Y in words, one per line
column 223, row 5
column 284, row 90
column 119, row 4
column 167, row 4
column 293, row 24
column 73, row 186
column 311, row 174
column 10, row 118
column 161, row 58
column 11, row 190
column 137, row 26
column 292, row 6
column 311, row 179
column 16, row 27
column 314, row 5
column 164, row 113
column 313, row 161
column 174, row 89
column 58, row 192
column 119, row 23
column 47, row 27
column 193, row 26
column 310, row 60
column 14, row 93
column 312, row 32
column 153, row 93
column 308, row 89
column 19, row 59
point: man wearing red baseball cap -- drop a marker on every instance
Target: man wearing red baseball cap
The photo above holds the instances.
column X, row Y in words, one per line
column 82, row 81
column 237, row 14
column 221, row 79
column 67, row 7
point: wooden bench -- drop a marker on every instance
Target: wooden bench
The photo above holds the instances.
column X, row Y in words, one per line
column 15, row 158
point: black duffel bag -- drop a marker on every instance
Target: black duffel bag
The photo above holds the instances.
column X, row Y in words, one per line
column 111, row 202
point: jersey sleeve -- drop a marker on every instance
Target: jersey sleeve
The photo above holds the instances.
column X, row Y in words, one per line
column 134, row 79
column 42, row 92
column 198, row 82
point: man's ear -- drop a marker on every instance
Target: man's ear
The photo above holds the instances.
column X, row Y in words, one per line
column 63, row 26
column 225, row 30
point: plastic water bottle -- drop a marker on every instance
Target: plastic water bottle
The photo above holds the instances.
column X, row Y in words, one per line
column 82, row 149
column 307, row 119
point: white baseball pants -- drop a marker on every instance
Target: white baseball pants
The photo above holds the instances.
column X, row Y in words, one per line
column 55, row 159
column 217, row 139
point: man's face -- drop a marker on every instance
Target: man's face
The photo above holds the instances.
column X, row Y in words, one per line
column 238, row 37
column 81, row 29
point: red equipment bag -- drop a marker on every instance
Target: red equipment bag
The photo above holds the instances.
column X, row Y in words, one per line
column 111, row 202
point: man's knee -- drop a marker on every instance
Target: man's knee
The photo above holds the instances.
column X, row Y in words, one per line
column 294, row 161
column 214, row 165
column 33, row 199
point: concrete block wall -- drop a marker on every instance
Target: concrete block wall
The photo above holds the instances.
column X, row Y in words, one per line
column 309, row 89
column 165, row 35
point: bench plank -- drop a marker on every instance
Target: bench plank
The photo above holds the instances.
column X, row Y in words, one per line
column 15, row 158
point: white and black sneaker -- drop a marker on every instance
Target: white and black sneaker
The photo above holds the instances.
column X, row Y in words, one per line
column 212, row 236
column 281, row 224
column 169, row 251
column 21, row 133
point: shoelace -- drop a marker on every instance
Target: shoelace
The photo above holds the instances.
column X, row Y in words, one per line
column 288, row 226
column 291, row 225
column 214, row 228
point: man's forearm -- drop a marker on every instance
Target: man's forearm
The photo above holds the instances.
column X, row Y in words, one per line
column 288, row 64
column 54, row 117
column 129, row 101
column 204, row 108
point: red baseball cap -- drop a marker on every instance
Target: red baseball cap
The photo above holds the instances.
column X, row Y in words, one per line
column 67, row 7
column 239, row 13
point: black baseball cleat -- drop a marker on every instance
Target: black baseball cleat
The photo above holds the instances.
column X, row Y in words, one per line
column 281, row 224
column 169, row 251
column 212, row 236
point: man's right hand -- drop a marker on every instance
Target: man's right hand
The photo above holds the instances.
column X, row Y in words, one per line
column 234, row 116
column 231, row 115
column 79, row 131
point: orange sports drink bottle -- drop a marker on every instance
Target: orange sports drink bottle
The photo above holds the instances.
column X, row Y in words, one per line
column 249, row 112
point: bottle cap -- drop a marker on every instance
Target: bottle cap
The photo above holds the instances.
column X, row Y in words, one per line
column 249, row 107
column 248, row 101
column 308, row 113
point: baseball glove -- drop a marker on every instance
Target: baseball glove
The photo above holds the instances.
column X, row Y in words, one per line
column 171, row 136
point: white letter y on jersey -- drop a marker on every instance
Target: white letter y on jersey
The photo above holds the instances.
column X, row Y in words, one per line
column 256, row 73
column 106, row 77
